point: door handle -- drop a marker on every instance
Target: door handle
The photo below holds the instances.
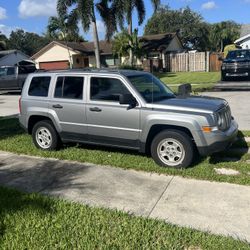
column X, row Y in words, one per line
column 95, row 109
column 57, row 106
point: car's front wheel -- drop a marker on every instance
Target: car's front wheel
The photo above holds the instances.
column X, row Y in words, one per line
column 172, row 148
column 45, row 136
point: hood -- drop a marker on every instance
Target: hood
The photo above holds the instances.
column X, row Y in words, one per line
column 195, row 102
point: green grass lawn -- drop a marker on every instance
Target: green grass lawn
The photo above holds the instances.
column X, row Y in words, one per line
column 32, row 221
column 200, row 81
column 13, row 139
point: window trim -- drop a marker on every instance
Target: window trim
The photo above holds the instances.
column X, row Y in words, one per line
column 69, row 99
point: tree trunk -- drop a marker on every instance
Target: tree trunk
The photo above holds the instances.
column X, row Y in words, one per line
column 221, row 45
column 130, row 33
column 96, row 44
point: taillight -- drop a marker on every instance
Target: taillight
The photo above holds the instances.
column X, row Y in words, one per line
column 19, row 105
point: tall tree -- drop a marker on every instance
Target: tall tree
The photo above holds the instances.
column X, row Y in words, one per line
column 223, row 33
column 3, row 41
column 83, row 10
column 27, row 42
column 190, row 26
column 128, row 6
column 116, row 12
column 63, row 28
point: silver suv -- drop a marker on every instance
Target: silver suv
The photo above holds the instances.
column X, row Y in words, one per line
column 128, row 109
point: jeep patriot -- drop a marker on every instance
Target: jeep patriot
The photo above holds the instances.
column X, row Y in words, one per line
column 127, row 109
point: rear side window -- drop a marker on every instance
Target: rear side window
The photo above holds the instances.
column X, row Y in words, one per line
column 106, row 89
column 39, row 86
column 69, row 87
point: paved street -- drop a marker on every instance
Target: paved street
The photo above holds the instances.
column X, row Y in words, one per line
column 220, row 208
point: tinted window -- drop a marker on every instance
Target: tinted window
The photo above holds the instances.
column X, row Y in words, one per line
column 69, row 87
column 106, row 89
column 39, row 86
column 10, row 71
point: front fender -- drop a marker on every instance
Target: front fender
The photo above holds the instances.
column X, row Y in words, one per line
column 175, row 120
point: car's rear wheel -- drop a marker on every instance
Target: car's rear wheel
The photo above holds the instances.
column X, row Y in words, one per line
column 45, row 136
column 172, row 148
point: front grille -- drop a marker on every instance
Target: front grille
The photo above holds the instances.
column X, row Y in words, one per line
column 237, row 65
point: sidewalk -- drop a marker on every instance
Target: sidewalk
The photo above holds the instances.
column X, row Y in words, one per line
column 220, row 208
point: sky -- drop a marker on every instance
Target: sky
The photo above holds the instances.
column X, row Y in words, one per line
column 32, row 15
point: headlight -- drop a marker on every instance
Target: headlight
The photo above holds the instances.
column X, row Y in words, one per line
column 223, row 119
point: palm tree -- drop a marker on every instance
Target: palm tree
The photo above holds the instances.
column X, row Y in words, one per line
column 63, row 28
column 224, row 33
column 83, row 10
column 123, row 43
column 120, row 44
column 124, row 10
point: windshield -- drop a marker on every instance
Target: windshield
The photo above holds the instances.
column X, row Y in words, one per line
column 238, row 54
column 150, row 87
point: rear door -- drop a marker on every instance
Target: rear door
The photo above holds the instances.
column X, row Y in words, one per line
column 69, row 106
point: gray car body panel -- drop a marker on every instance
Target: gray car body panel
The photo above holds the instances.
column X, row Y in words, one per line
column 118, row 122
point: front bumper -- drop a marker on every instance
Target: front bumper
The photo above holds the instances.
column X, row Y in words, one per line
column 218, row 141
column 237, row 72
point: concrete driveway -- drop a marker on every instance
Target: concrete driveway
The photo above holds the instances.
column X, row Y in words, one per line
column 9, row 103
column 240, row 105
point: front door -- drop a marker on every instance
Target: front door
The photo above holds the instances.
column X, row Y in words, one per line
column 108, row 121
column 69, row 106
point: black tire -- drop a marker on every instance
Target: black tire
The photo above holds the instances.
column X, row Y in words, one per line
column 52, row 139
column 223, row 78
column 180, row 154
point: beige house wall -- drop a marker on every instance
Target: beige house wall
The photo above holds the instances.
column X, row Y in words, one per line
column 56, row 53
column 92, row 62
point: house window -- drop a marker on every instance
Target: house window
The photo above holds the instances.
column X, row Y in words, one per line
column 108, row 60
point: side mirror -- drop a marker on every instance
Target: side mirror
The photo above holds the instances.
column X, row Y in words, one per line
column 185, row 89
column 220, row 58
column 127, row 99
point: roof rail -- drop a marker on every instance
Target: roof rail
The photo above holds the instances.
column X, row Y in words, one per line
column 82, row 69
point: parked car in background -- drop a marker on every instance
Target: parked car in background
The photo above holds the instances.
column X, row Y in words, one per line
column 236, row 65
column 13, row 77
column 124, row 108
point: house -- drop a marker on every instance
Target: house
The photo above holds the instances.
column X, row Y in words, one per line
column 244, row 40
column 12, row 57
column 63, row 55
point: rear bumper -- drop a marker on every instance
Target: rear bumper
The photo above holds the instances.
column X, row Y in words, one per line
column 219, row 141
